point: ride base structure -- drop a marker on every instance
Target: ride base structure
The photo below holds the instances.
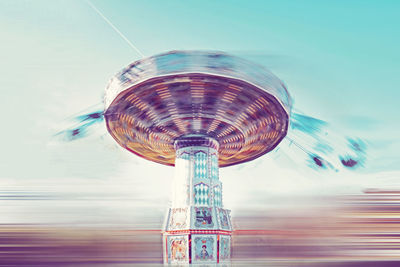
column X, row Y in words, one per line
column 198, row 229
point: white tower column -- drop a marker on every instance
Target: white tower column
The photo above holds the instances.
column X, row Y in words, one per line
column 198, row 229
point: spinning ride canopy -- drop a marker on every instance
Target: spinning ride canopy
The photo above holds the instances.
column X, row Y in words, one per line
column 157, row 100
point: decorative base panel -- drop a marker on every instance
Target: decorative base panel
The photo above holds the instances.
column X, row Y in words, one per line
column 197, row 248
column 197, row 235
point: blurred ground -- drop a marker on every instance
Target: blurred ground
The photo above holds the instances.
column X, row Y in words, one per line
column 353, row 230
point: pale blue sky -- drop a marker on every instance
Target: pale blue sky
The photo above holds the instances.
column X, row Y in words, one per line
column 340, row 60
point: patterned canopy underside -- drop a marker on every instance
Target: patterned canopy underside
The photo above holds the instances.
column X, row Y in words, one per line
column 148, row 117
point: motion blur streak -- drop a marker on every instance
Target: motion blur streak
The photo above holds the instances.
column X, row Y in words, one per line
column 350, row 230
column 355, row 228
column 55, row 246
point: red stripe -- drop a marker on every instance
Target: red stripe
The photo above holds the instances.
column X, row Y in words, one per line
column 215, row 232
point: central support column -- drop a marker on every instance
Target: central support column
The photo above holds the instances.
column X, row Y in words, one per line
column 197, row 228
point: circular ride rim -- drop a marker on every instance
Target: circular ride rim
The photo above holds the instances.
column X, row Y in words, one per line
column 157, row 100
